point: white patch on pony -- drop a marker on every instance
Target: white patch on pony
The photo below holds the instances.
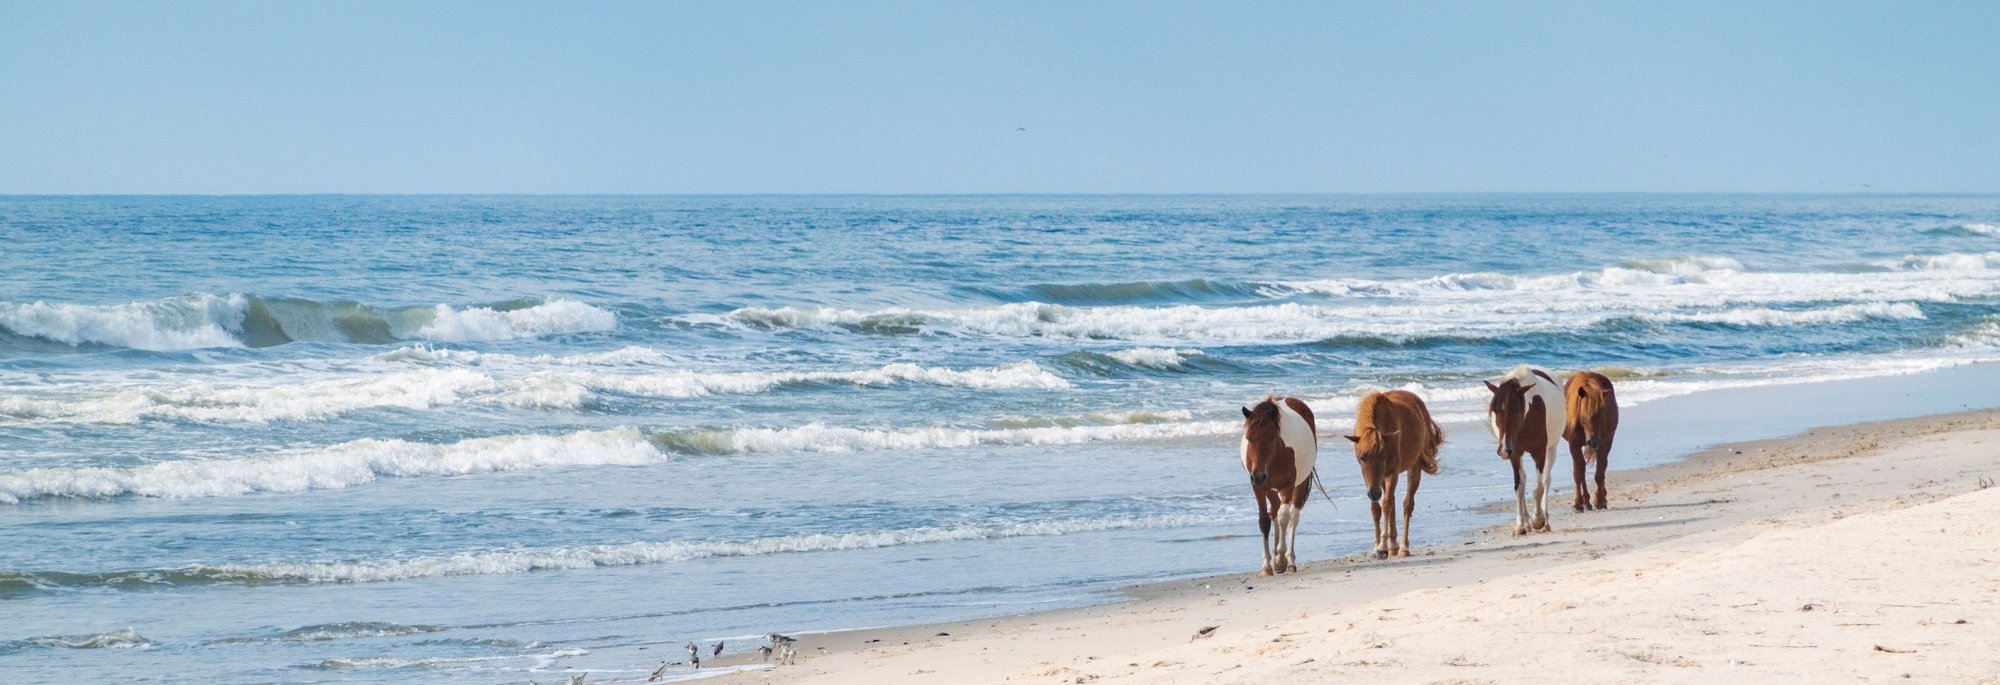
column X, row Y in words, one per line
column 1298, row 435
column 1245, row 449
column 1554, row 413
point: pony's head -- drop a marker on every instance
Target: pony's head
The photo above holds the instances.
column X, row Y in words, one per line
column 1262, row 447
column 1507, row 411
column 1367, row 443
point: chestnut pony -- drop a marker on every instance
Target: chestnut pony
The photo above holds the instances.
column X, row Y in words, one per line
column 1593, row 420
column 1393, row 435
column 1280, row 450
column 1526, row 415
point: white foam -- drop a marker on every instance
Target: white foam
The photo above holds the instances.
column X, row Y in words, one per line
column 179, row 323
column 338, row 466
column 1978, row 229
column 636, row 553
column 1154, row 357
column 311, row 396
column 541, row 661
column 823, row 438
column 1758, row 316
column 484, row 324
column 269, row 400
column 1950, row 261
column 123, row 638
column 1457, row 305
column 1026, row 374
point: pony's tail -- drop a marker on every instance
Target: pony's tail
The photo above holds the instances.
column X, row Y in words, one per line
column 1430, row 460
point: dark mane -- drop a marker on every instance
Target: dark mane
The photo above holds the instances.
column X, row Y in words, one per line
column 1262, row 422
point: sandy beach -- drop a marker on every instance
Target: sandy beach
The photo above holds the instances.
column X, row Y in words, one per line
column 1863, row 552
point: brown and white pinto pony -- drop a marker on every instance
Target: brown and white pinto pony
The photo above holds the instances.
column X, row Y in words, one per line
column 1593, row 420
column 1527, row 415
column 1280, row 450
column 1394, row 435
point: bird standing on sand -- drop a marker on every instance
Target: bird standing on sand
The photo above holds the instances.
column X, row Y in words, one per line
column 718, row 649
column 694, row 655
column 765, row 650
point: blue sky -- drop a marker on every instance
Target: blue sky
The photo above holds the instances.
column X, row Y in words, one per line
column 928, row 97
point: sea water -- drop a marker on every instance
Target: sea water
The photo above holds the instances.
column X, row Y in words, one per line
column 503, row 439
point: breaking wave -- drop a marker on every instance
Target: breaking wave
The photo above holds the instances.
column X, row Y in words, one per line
column 1950, row 261
column 1138, row 292
column 429, row 388
column 236, row 320
column 1970, row 229
column 339, row 466
column 122, row 638
column 1467, row 305
column 349, row 630
column 1760, row 316
column 824, row 438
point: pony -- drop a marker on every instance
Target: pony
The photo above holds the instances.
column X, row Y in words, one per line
column 1393, row 435
column 1526, row 415
column 1280, row 451
column 1593, row 420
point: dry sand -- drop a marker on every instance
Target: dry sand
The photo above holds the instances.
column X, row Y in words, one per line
column 1866, row 552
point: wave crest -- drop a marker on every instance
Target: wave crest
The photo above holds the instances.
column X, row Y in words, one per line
column 204, row 320
column 339, row 466
column 1760, row 316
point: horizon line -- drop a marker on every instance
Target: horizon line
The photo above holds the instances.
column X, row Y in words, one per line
column 1405, row 193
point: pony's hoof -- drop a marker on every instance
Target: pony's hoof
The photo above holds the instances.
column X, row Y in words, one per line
column 1520, row 531
column 1293, row 569
column 1601, row 504
column 1265, row 571
column 1381, row 554
column 1581, row 506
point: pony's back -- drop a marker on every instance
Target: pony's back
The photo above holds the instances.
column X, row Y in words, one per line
column 1593, row 405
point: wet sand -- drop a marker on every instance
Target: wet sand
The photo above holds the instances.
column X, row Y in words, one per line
column 1862, row 552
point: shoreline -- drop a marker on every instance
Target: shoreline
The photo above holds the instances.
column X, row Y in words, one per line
column 1695, row 502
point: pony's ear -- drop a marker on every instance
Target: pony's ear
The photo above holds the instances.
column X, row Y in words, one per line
column 1492, row 387
column 1356, row 439
column 1526, row 388
column 1246, row 412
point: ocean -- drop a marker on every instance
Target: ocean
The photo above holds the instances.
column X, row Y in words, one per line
column 502, row 439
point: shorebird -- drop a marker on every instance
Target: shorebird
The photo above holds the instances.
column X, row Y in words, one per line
column 718, row 649
column 783, row 645
column 765, row 650
column 658, row 673
column 694, row 655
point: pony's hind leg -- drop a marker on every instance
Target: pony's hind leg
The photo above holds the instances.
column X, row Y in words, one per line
column 1520, row 499
column 1410, row 506
column 1544, row 467
column 1603, row 462
column 1582, row 490
column 1281, row 559
column 1264, row 525
column 1389, row 517
column 1300, row 496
